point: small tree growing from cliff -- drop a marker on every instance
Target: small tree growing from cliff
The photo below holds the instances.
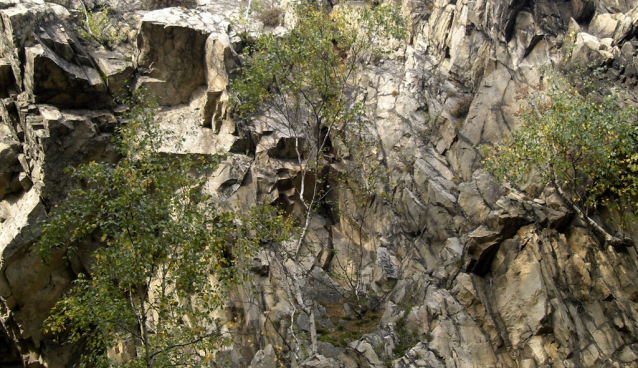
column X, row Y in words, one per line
column 161, row 264
column 585, row 148
column 307, row 82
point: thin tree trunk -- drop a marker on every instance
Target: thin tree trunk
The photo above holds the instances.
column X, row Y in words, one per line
column 313, row 331
column 309, row 310
column 615, row 241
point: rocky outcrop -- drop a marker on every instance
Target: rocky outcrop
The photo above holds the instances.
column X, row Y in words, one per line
column 48, row 62
column 457, row 269
column 180, row 50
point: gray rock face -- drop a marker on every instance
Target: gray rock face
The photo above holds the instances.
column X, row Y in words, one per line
column 466, row 272
column 53, row 80
column 117, row 71
column 52, row 141
column 264, row 358
column 172, row 52
column 46, row 60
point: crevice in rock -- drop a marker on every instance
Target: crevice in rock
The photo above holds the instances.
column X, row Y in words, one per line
column 9, row 355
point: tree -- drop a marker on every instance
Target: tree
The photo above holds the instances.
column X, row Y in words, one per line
column 162, row 263
column 584, row 145
column 306, row 82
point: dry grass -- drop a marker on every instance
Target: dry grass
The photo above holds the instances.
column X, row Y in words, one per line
column 350, row 331
column 462, row 106
column 271, row 17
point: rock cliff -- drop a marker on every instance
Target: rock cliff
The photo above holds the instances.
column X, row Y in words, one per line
column 464, row 273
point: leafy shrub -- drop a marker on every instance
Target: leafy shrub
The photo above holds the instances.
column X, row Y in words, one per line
column 584, row 145
column 98, row 26
column 161, row 239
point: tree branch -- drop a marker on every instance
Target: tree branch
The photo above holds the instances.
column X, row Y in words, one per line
column 615, row 241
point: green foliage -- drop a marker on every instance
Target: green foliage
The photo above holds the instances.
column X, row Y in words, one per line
column 585, row 145
column 303, row 76
column 162, row 264
column 306, row 83
column 98, row 26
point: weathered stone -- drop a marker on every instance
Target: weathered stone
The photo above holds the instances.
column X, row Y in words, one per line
column 52, row 80
column 419, row 356
column 482, row 126
column 172, row 47
column 25, row 181
column 413, row 211
column 583, row 10
column 264, row 358
column 6, row 181
column 388, row 263
column 286, row 147
column 481, row 249
column 472, row 203
column 319, row 361
column 392, row 314
column 221, row 60
column 20, row 21
column 448, row 133
column 461, row 157
column 603, row 25
column 363, row 353
column 547, row 294
column 229, row 175
column 9, row 151
column 587, row 51
column 117, row 72
column 124, row 351
column 330, row 351
column 627, row 355
column 261, row 264
column 211, row 106
column 521, row 296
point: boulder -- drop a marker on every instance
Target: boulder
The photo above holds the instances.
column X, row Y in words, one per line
column 588, row 50
column 319, row 361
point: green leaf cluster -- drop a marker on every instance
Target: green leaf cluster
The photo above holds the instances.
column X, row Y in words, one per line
column 586, row 144
column 308, row 84
column 97, row 25
column 308, row 81
column 162, row 263
column 305, row 77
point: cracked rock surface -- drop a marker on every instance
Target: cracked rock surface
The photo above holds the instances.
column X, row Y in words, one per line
column 461, row 271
